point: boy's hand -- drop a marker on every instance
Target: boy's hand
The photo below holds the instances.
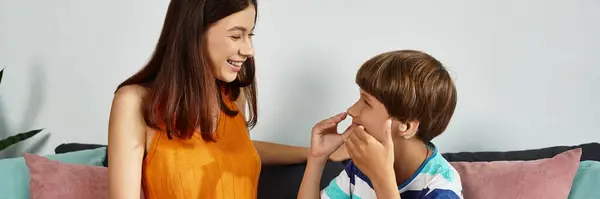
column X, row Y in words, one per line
column 374, row 158
column 325, row 139
column 340, row 154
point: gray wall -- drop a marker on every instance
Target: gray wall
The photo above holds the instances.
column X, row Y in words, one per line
column 527, row 71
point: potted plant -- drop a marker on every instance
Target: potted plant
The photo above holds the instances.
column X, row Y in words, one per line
column 11, row 140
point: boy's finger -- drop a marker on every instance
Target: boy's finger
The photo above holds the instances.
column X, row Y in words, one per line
column 362, row 134
column 387, row 129
column 337, row 118
column 348, row 131
column 332, row 118
column 353, row 137
column 323, row 126
column 350, row 147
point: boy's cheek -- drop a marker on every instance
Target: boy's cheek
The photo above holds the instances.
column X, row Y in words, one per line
column 373, row 131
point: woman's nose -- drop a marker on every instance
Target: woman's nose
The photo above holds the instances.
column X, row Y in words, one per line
column 247, row 49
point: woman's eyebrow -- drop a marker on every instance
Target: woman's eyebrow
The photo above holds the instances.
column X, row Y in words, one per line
column 240, row 28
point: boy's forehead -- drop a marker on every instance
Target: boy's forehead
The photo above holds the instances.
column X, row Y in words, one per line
column 365, row 94
column 369, row 97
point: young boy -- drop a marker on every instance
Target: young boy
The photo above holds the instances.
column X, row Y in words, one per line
column 406, row 99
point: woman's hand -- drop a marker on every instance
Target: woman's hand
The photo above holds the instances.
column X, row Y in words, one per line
column 374, row 158
column 325, row 139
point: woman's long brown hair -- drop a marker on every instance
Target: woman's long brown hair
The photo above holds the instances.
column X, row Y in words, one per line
column 182, row 91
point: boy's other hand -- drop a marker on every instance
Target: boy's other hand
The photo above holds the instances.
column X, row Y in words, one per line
column 340, row 154
column 374, row 158
column 325, row 139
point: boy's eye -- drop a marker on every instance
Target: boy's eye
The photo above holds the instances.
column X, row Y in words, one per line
column 236, row 37
column 367, row 103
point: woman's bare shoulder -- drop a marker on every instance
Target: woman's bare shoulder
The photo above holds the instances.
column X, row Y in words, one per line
column 130, row 94
column 127, row 105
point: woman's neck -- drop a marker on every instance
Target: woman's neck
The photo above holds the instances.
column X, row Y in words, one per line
column 409, row 155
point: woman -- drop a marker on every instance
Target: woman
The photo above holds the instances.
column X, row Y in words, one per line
column 178, row 125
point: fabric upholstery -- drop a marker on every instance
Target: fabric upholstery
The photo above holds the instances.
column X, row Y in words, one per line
column 549, row 178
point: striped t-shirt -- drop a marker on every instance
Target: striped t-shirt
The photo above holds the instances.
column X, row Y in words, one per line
column 435, row 179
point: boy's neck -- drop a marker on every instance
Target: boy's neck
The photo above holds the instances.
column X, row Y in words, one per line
column 409, row 155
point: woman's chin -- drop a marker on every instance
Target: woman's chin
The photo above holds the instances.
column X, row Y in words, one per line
column 227, row 78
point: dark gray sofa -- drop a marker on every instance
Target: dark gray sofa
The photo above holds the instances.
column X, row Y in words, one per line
column 282, row 181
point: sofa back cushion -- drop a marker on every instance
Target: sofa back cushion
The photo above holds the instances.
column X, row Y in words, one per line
column 589, row 151
column 15, row 174
column 53, row 179
column 587, row 179
column 283, row 181
column 549, row 178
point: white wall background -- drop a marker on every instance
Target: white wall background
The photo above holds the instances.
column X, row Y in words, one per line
column 527, row 72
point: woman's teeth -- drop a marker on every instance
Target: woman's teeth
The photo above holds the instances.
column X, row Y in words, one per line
column 235, row 63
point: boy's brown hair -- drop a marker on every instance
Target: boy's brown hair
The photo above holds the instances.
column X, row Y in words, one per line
column 412, row 85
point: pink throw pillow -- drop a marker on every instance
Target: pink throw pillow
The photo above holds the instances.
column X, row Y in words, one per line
column 549, row 178
column 53, row 179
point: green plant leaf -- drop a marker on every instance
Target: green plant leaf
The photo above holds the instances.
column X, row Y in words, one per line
column 9, row 141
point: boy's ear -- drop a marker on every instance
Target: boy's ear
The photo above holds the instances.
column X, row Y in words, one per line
column 407, row 129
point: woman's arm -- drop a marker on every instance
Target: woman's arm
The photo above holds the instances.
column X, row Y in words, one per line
column 272, row 153
column 127, row 141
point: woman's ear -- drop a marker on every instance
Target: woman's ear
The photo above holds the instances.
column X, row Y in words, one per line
column 407, row 129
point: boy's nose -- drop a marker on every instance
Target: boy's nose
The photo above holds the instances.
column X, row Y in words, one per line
column 352, row 111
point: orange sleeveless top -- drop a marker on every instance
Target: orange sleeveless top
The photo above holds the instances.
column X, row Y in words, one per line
column 183, row 169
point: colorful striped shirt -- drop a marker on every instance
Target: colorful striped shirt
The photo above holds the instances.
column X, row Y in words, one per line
column 435, row 179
